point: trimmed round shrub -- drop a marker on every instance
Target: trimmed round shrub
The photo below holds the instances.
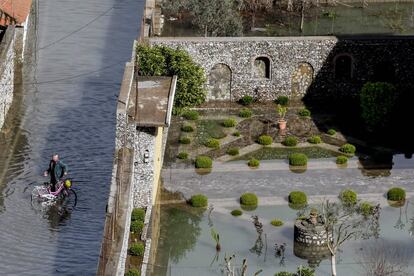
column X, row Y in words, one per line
column 187, row 128
column 133, row 272
column 245, row 113
column 136, row 226
column 348, row 148
column 136, row 249
column 203, row 162
column 230, row 122
column 138, row 214
column 182, row 155
column 254, row 163
column 290, row 141
column 265, row 140
column 236, row 134
column 331, row 131
column 298, row 159
column 315, row 139
column 276, row 222
column 246, row 100
column 199, row 200
column 185, row 140
column 396, row 194
column 282, row 100
column 298, row 198
column 249, row 199
column 348, row 197
column 213, row 143
column 232, row 151
column 304, row 112
column 236, row 213
column 191, row 115
column 366, row 208
column 341, row 160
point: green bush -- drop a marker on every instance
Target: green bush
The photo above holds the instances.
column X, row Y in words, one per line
column 185, row 140
column 396, row 194
column 300, row 271
column 165, row 61
column 298, row 198
column 246, row 100
column 138, row 214
column 136, row 249
column 203, row 162
column 199, row 200
column 315, row 139
column 232, row 151
column 331, row 131
column 276, row 222
column 284, row 273
column 187, row 128
column 137, row 226
column 290, row 141
column 230, row 122
column 236, row 134
column 341, row 160
column 182, row 155
column 245, row 113
column 304, row 112
column 348, row 148
column 265, row 140
column 133, row 272
column 191, row 115
column 213, row 143
column 377, row 102
column 254, row 163
column 348, row 197
column 237, row 212
column 249, row 199
column 298, row 159
column 366, row 208
column 282, row 100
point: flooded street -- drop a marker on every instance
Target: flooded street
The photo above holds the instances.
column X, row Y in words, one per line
column 68, row 107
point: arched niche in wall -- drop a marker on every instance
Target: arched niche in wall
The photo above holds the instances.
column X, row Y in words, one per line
column 301, row 79
column 262, row 67
column 343, row 64
column 219, row 82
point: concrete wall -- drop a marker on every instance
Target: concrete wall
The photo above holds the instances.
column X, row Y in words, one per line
column 299, row 66
column 7, row 69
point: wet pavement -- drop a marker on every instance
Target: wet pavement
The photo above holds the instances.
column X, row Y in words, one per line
column 68, row 107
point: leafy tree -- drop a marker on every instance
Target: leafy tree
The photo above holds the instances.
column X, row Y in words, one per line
column 165, row 61
column 343, row 222
column 254, row 6
column 377, row 102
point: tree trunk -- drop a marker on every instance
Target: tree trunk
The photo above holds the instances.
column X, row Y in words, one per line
column 302, row 16
column 290, row 5
column 333, row 264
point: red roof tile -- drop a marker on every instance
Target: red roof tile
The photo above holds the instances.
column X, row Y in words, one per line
column 17, row 9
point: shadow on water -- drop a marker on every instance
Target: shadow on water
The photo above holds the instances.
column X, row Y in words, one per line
column 352, row 62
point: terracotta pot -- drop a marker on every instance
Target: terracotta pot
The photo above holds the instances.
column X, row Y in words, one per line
column 282, row 124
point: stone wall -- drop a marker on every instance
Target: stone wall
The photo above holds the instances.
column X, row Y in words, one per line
column 7, row 69
column 298, row 66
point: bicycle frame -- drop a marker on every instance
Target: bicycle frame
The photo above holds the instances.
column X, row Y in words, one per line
column 61, row 188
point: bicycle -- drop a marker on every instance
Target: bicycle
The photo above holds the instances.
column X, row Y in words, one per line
column 42, row 195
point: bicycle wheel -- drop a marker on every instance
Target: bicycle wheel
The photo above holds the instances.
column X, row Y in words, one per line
column 38, row 201
column 69, row 200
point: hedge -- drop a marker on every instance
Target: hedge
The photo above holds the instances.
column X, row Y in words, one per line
column 236, row 212
column 348, row 197
column 199, row 200
column 246, row 100
column 136, row 226
column 298, row 159
column 265, row 140
column 290, row 141
column 133, row 272
column 396, row 194
column 203, row 162
column 182, row 155
column 191, row 115
column 298, row 198
column 341, row 160
column 348, row 148
column 245, row 113
column 232, row 151
column 230, row 122
column 213, row 143
column 138, row 214
column 249, row 199
column 136, row 249
column 315, row 139
column 254, row 163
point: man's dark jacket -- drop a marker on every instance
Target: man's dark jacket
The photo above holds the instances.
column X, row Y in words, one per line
column 57, row 171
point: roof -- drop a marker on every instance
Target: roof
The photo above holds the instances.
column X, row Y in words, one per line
column 155, row 100
column 14, row 11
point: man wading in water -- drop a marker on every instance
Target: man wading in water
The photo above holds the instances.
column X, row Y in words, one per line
column 57, row 169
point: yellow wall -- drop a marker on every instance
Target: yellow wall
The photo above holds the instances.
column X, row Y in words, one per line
column 157, row 162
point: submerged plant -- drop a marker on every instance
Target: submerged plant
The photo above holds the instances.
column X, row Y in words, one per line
column 216, row 238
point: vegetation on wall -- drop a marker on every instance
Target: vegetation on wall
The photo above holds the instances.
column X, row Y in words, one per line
column 165, row 61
